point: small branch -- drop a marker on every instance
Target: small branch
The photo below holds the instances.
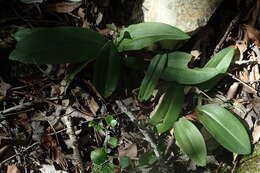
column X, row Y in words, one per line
column 17, row 107
column 243, row 83
column 75, row 145
column 142, row 130
column 29, row 147
column 230, row 27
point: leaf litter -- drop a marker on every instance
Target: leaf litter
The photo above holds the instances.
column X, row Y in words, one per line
column 34, row 114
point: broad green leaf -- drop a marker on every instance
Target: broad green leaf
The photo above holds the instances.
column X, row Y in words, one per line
column 152, row 76
column 221, row 61
column 57, row 45
column 225, row 128
column 168, row 109
column 107, row 70
column 138, row 36
column 177, row 68
column 190, row 141
column 98, row 156
column 23, row 33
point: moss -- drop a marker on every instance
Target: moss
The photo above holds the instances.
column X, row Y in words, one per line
column 250, row 163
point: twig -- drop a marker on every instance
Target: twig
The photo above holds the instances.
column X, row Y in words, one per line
column 230, row 27
column 18, row 107
column 242, row 82
column 29, row 147
column 198, row 91
column 142, row 130
column 75, row 145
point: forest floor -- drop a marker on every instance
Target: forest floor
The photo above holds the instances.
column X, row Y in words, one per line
column 49, row 128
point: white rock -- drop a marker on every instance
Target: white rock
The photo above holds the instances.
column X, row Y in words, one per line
column 186, row 15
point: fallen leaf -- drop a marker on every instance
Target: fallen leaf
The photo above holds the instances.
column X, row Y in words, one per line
column 252, row 34
column 50, row 169
column 256, row 134
column 232, row 90
column 64, row 7
column 3, row 87
column 13, row 169
column 128, row 151
column 93, row 106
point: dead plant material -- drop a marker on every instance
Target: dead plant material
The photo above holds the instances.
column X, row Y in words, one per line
column 64, row 7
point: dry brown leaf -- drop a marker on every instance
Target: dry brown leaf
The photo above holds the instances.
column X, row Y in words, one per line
column 93, row 106
column 81, row 13
column 3, row 87
column 252, row 34
column 64, row 7
column 129, row 151
column 232, row 90
column 256, row 134
column 242, row 47
column 13, row 169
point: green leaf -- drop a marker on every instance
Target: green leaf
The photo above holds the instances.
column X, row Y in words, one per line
column 106, row 167
column 152, row 76
column 124, row 162
column 177, row 68
column 112, row 26
column 190, row 141
column 168, row 109
column 107, row 70
column 57, row 45
column 221, row 61
column 142, row 35
column 225, row 128
column 147, row 159
column 110, row 120
column 98, row 156
column 23, row 33
column 113, row 142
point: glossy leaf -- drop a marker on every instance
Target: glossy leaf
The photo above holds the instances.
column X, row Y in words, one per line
column 221, row 61
column 225, row 128
column 152, row 76
column 168, row 109
column 177, row 68
column 23, row 33
column 142, row 35
column 107, row 70
column 57, row 45
column 190, row 141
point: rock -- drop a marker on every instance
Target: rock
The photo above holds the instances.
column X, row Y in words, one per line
column 187, row 15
